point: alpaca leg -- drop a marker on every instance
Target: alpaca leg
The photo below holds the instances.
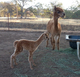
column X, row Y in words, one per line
column 30, row 55
column 16, row 53
column 58, row 43
column 53, row 43
column 17, row 50
column 47, row 41
column 13, row 57
column 15, row 60
column 33, row 60
column 11, row 60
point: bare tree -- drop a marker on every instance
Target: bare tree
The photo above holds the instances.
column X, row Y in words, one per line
column 22, row 3
column 39, row 8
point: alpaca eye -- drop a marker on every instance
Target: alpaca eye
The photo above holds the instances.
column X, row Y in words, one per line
column 58, row 11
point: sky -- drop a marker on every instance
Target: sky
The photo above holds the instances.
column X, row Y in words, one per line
column 65, row 3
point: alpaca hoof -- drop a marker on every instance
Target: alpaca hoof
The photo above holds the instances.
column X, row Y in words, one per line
column 12, row 67
column 16, row 63
column 53, row 48
column 31, row 68
column 57, row 48
column 46, row 45
column 34, row 64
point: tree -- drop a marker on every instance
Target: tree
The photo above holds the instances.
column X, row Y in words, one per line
column 22, row 3
column 7, row 8
column 69, row 14
column 78, row 4
column 33, row 10
column 39, row 8
column 55, row 4
column 76, row 15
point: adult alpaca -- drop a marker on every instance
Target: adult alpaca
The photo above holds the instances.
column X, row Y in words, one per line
column 54, row 28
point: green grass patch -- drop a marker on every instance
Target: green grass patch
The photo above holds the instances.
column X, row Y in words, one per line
column 51, row 63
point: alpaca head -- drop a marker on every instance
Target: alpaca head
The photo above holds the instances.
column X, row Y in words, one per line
column 58, row 12
column 45, row 35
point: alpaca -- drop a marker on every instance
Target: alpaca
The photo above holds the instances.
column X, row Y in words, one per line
column 54, row 28
column 29, row 45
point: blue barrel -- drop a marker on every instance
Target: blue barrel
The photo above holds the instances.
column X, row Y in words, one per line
column 73, row 44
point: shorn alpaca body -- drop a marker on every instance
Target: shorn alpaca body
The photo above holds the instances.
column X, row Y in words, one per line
column 29, row 45
column 54, row 28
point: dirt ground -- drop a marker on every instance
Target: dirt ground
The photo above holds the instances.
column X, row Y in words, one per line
column 6, row 49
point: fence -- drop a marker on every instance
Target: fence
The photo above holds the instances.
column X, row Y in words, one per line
column 37, row 24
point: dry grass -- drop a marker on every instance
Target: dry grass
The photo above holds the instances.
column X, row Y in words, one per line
column 50, row 63
column 44, row 21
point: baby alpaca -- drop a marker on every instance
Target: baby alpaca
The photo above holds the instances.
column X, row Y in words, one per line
column 29, row 45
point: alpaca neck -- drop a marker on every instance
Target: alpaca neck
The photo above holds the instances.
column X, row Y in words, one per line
column 55, row 21
column 39, row 40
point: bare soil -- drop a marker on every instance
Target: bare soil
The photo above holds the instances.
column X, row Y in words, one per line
column 49, row 62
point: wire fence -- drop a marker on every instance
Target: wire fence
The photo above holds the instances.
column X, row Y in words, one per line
column 30, row 23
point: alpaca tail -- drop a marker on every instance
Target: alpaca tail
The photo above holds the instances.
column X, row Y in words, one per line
column 15, row 42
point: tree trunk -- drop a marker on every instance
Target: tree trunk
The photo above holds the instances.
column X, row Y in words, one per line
column 21, row 12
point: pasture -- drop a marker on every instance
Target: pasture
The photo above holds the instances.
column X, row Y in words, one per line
column 50, row 63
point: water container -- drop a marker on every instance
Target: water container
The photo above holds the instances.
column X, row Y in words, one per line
column 73, row 44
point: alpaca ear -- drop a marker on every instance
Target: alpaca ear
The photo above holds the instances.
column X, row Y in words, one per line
column 54, row 8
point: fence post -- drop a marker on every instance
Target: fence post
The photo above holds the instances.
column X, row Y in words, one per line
column 8, row 20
